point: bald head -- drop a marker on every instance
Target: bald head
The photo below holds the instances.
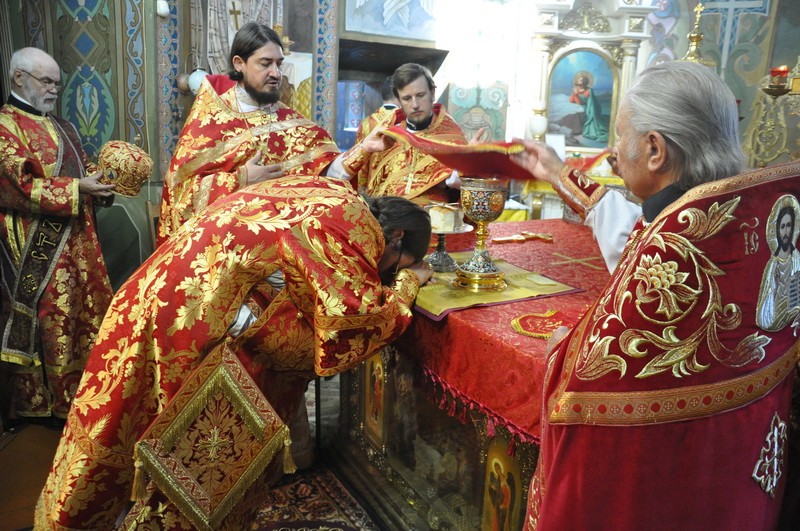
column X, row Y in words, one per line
column 35, row 77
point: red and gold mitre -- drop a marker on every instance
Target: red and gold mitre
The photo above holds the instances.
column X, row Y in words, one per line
column 125, row 165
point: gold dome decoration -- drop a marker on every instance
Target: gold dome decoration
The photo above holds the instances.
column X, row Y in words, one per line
column 695, row 38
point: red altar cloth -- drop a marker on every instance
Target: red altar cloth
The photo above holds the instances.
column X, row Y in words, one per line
column 476, row 355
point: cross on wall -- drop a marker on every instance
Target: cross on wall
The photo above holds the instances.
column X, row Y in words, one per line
column 729, row 12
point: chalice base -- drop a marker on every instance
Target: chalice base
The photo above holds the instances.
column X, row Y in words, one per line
column 439, row 260
column 480, row 281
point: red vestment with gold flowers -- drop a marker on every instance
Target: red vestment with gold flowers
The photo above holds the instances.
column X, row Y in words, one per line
column 667, row 405
column 55, row 288
column 216, row 142
column 406, row 171
column 332, row 313
column 382, row 117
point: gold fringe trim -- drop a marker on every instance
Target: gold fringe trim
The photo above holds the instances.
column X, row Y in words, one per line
column 153, row 452
column 140, row 480
column 517, row 326
column 202, row 517
column 444, row 146
column 289, row 466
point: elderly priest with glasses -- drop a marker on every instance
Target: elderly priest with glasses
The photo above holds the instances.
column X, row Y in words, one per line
column 55, row 288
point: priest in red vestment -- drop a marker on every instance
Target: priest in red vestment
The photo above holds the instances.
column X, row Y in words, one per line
column 238, row 133
column 55, row 289
column 667, row 406
column 384, row 167
column 352, row 271
column 383, row 115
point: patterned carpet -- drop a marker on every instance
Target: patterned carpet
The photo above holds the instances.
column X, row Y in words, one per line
column 312, row 499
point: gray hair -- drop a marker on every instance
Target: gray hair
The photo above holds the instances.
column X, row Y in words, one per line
column 696, row 113
column 24, row 59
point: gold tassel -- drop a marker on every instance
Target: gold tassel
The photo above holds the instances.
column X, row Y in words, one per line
column 289, row 467
column 139, row 487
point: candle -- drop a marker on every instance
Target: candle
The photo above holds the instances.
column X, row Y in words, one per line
column 778, row 75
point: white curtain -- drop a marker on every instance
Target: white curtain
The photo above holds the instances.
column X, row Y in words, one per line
column 225, row 17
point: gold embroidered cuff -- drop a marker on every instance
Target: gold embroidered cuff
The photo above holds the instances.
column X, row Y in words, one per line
column 406, row 286
column 354, row 159
column 578, row 191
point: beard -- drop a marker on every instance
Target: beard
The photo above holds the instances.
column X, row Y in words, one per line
column 262, row 97
column 785, row 244
column 420, row 123
column 44, row 107
column 38, row 102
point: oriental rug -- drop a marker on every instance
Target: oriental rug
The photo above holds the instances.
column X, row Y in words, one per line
column 312, row 499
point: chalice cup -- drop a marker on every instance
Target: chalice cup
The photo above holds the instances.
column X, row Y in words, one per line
column 483, row 200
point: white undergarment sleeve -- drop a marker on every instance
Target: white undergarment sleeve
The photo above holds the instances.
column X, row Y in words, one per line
column 612, row 220
column 454, row 181
column 336, row 169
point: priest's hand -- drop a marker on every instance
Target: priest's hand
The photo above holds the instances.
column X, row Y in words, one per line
column 540, row 160
column 376, row 141
column 480, row 137
column 91, row 185
column 257, row 172
column 423, row 271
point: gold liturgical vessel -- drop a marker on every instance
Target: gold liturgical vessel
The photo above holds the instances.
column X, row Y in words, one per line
column 483, row 200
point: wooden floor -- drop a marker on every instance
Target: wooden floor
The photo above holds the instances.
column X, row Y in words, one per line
column 25, row 459
column 26, row 456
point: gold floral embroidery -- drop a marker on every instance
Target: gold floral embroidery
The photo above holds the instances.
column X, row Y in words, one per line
column 675, row 294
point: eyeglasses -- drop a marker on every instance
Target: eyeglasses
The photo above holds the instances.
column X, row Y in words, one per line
column 46, row 82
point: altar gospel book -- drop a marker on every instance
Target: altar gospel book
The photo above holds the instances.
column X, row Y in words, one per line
column 482, row 160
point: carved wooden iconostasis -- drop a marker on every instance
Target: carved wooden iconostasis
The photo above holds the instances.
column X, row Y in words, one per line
column 587, row 55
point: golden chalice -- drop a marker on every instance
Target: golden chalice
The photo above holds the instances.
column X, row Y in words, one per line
column 483, row 200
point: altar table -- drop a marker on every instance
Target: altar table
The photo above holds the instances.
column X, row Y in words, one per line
column 475, row 354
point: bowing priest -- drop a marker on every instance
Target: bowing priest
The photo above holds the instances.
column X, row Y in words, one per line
column 668, row 405
column 239, row 133
column 55, row 289
column 352, row 270
column 382, row 167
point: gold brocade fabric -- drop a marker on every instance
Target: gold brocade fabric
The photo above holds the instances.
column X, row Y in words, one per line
column 405, row 171
column 213, row 440
column 442, row 297
column 332, row 313
column 382, row 117
column 76, row 294
column 218, row 140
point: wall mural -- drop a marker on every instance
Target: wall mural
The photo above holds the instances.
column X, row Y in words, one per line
column 83, row 37
column 738, row 36
column 408, row 19
column 325, row 64
column 474, row 108
column 169, row 66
